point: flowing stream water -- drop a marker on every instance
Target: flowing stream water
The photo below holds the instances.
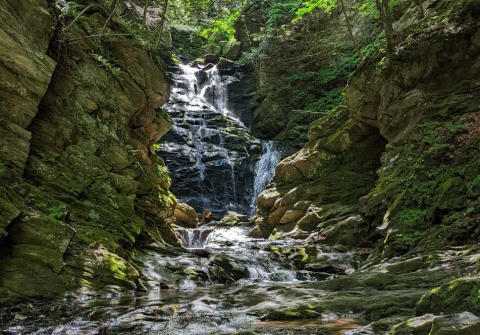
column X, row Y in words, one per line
column 198, row 304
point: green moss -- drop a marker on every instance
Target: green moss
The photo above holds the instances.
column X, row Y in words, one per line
column 454, row 297
column 291, row 313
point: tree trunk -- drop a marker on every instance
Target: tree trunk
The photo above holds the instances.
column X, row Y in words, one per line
column 420, row 9
column 386, row 17
column 388, row 26
column 350, row 32
column 162, row 23
column 145, row 11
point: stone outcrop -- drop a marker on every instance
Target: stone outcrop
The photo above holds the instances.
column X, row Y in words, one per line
column 233, row 218
column 397, row 168
column 80, row 184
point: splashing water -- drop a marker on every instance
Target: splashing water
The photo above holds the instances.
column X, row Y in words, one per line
column 265, row 170
column 196, row 238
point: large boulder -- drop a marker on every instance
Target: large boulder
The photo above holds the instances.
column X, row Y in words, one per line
column 186, row 215
column 457, row 324
column 230, row 49
column 233, row 218
column 429, row 324
column 226, row 269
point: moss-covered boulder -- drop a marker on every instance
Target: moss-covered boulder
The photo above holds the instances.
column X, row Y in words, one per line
column 454, row 297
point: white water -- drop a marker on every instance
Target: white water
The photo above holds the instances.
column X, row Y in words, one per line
column 196, row 238
column 213, row 95
column 265, row 170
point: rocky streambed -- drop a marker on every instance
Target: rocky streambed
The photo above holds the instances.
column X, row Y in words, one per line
column 243, row 285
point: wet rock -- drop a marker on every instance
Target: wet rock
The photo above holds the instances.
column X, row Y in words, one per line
column 417, row 326
column 224, row 268
column 206, row 216
column 88, row 145
column 233, row 218
column 186, row 215
column 224, row 63
column 207, row 150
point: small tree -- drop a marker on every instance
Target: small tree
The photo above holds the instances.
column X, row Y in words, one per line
column 420, row 9
column 328, row 6
column 162, row 24
column 145, row 12
column 382, row 9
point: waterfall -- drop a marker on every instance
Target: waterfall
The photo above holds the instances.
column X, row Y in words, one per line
column 194, row 238
column 211, row 154
column 265, row 170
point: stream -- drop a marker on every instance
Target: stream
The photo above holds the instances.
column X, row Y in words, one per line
column 200, row 305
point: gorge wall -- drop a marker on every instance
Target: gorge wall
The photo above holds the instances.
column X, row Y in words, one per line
column 80, row 184
column 395, row 168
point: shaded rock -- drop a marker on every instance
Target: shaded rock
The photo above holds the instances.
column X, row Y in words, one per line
column 213, row 49
column 230, row 49
column 226, row 269
column 416, row 326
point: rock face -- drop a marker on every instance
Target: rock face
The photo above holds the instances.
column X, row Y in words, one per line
column 397, row 168
column 318, row 188
column 79, row 181
column 25, row 79
column 210, row 152
column 399, row 163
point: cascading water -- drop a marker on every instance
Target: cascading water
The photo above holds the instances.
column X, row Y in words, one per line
column 196, row 238
column 264, row 170
column 209, row 151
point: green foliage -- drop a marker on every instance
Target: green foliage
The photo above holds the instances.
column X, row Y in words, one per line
column 131, row 150
column 203, row 22
column 370, row 7
column 221, row 28
column 74, row 10
column 93, row 215
column 473, row 187
column 3, row 169
column 162, row 172
column 187, row 41
column 106, row 64
column 328, row 102
column 57, row 212
column 163, row 114
column 309, row 6
column 282, row 11
column 411, row 217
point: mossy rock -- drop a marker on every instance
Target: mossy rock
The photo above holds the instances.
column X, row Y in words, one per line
column 454, row 297
column 291, row 313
